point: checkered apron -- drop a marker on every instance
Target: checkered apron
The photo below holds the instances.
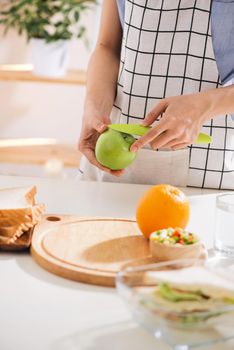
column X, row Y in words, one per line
column 167, row 51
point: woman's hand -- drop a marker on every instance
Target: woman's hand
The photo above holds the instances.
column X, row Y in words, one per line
column 181, row 121
column 102, row 79
column 93, row 125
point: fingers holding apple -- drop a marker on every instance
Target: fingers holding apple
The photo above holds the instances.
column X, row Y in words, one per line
column 89, row 153
column 113, row 150
column 91, row 130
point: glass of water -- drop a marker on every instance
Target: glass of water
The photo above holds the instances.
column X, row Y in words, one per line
column 224, row 228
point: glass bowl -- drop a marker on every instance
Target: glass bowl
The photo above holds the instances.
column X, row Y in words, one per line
column 181, row 330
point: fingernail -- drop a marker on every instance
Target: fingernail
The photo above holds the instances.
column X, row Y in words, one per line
column 134, row 149
column 102, row 128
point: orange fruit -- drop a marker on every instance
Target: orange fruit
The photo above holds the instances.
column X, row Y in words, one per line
column 162, row 206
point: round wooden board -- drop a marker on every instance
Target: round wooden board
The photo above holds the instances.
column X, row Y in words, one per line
column 90, row 250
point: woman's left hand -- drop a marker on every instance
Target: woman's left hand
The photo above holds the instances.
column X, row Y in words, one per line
column 181, row 121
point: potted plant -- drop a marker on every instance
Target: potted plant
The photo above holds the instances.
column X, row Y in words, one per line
column 49, row 25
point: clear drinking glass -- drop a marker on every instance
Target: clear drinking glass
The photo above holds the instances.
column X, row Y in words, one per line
column 224, row 228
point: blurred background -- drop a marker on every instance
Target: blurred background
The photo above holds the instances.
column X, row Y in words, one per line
column 41, row 105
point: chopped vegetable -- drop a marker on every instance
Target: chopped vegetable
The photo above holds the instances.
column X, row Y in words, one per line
column 173, row 236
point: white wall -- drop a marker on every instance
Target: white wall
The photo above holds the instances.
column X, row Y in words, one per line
column 42, row 110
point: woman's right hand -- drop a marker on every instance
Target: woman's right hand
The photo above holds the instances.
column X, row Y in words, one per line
column 93, row 125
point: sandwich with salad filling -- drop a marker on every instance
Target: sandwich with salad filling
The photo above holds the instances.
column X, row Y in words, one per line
column 189, row 294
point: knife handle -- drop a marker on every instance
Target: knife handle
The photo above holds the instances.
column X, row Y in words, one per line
column 201, row 139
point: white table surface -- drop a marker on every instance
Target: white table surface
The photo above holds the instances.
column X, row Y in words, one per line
column 40, row 311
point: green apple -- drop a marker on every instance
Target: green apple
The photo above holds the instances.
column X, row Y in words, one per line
column 113, row 149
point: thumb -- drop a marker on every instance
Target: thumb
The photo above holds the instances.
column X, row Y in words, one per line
column 155, row 113
column 99, row 126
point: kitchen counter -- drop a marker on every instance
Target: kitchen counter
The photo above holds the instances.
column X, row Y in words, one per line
column 41, row 311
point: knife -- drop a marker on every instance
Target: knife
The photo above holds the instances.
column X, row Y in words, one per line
column 140, row 130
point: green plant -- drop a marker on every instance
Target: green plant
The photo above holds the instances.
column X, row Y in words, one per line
column 51, row 20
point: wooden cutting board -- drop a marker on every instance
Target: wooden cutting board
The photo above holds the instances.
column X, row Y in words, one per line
column 89, row 250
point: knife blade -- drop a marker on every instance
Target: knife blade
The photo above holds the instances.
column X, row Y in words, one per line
column 140, row 130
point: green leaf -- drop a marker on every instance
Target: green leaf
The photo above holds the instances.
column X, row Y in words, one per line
column 31, row 16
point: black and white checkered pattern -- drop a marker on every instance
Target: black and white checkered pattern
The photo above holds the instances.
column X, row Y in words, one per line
column 167, row 50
